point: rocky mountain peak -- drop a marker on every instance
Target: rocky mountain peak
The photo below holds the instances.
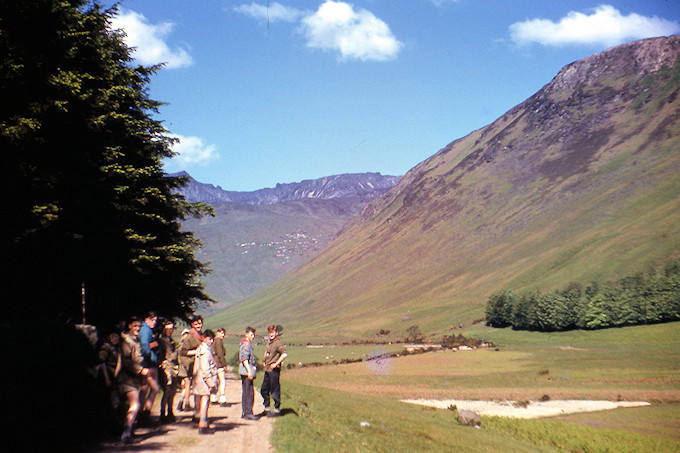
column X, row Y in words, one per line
column 639, row 58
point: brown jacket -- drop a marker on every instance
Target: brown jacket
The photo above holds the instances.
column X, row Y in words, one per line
column 130, row 361
column 219, row 353
column 186, row 361
column 275, row 349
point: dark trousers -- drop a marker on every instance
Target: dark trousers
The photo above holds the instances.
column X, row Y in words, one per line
column 271, row 386
column 247, row 396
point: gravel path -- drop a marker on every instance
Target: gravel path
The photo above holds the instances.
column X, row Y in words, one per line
column 232, row 433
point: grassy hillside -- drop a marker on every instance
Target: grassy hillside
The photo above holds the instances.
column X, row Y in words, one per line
column 578, row 183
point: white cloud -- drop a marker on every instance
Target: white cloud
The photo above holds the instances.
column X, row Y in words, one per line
column 605, row 25
column 192, row 151
column 274, row 12
column 441, row 2
column 336, row 26
column 148, row 40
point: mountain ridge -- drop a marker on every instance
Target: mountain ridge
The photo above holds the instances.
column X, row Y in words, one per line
column 366, row 186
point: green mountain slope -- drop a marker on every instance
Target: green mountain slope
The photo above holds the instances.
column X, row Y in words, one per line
column 250, row 246
column 578, row 183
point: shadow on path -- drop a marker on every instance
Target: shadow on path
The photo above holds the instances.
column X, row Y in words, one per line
column 182, row 436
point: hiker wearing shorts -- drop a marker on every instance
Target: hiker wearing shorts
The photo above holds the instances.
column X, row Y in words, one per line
column 150, row 349
column 187, row 353
column 131, row 375
column 204, row 381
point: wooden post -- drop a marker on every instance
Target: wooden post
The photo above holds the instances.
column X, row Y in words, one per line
column 82, row 292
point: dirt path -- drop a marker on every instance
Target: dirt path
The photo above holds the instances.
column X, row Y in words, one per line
column 232, row 433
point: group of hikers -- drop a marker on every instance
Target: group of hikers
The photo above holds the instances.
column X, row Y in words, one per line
column 140, row 360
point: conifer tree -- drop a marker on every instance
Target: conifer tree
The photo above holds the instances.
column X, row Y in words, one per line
column 86, row 201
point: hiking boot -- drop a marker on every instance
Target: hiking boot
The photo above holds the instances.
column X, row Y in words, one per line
column 126, row 437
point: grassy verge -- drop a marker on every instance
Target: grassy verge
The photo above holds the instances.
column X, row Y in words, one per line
column 578, row 438
column 318, row 419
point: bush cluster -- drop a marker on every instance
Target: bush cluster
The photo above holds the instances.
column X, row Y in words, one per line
column 639, row 299
column 454, row 341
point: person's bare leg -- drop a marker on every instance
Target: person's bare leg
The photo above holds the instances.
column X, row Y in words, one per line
column 152, row 379
column 197, row 405
column 203, row 417
column 133, row 408
column 143, row 392
column 221, row 373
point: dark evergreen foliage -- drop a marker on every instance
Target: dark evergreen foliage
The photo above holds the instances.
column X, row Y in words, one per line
column 632, row 300
column 83, row 187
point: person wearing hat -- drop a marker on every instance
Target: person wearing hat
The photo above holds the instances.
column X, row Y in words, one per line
column 273, row 357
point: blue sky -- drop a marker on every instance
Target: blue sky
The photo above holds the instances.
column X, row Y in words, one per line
column 266, row 92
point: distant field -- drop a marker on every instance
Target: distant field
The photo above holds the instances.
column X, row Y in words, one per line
column 325, row 354
column 634, row 363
